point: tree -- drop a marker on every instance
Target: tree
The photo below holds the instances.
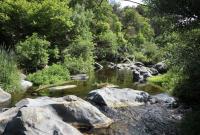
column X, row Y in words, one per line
column 21, row 18
column 185, row 12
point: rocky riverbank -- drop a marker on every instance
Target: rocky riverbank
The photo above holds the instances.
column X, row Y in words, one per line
column 106, row 111
column 139, row 70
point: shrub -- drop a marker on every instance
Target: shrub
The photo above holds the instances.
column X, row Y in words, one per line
column 33, row 52
column 78, row 65
column 51, row 75
column 167, row 81
column 9, row 74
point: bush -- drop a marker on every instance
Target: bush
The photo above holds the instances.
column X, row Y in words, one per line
column 33, row 52
column 77, row 65
column 51, row 75
column 9, row 74
column 167, row 81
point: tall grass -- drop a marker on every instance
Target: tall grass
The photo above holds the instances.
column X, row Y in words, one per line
column 9, row 74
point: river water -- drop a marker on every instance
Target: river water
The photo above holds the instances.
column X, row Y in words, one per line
column 121, row 78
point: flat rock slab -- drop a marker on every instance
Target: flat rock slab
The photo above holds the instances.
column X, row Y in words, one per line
column 114, row 97
column 5, row 99
column 60, row 88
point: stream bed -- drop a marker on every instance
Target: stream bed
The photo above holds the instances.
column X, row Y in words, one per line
column 148, row 119
column 120, row 78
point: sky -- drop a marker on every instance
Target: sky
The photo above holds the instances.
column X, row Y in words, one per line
column 126, row 3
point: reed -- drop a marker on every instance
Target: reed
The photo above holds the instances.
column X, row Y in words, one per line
column 9, row 74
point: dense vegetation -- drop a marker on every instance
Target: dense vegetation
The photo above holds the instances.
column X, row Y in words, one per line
column 73, row 34
column 179, row 23
column 55, row 38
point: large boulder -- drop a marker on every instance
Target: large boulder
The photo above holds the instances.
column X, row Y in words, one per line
column 38, row 121
column 115, row 98
column 5, row 99
column 72, row 110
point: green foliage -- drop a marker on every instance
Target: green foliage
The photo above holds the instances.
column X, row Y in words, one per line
column 78, row 56
column 107, row 45
column 179, row 9
column 21, row 18
column 135, row 24
column 51, row 75
column 33, row 52
column 9, row 74
column 166, row 81
column 186, row 58
column 77, row 65
column 180, row 46
column 147, row 53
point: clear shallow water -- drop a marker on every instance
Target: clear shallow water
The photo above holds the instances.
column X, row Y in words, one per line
column 121, row 78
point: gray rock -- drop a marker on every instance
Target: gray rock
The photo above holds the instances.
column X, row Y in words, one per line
column 72, row 110
column 5, row 99
column 137, row 76
column 115, row 98
column 38, row 121
column 22, row 76
column 138, row 64
column 164, row 99
column 152, row 119
column 25, row 85
column 161, row 67
column 7, row 116
column 154, row 71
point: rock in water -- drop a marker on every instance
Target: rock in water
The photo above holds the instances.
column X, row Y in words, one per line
column 161, row 67
column 114, row 97
column 71, row 109
column 164, row 98
column 38, row 121
column 5, row 99
column 60, row 88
